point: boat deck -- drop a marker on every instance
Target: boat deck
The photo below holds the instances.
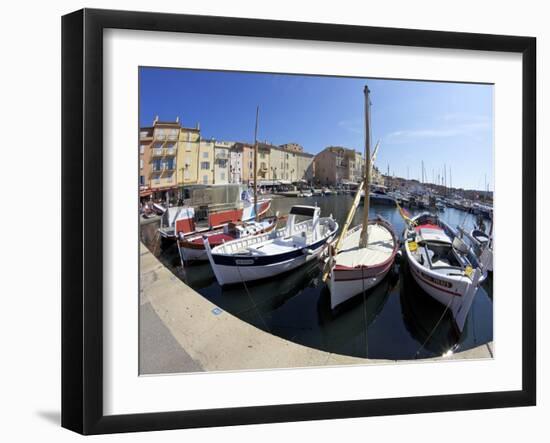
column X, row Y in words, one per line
column 379, row 249
column 277, row 245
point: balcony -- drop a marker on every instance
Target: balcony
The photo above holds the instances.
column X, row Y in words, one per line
column 170, row 151
column 157, row 152
column 157, row 169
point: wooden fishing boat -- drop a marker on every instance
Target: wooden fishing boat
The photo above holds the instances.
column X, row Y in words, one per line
column 211, row 207
column 270, row 254
column 191, row 247
column 357, row 269
column 363, row 255
column 443, row 265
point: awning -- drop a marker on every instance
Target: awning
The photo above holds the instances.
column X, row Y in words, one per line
column 165, row 188
column 266, row 183
column 145, row 193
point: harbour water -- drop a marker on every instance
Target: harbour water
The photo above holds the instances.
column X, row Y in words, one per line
column 395, row 320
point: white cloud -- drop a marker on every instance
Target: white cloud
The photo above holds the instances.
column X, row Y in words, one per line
column 463, row 126
column 354, row 126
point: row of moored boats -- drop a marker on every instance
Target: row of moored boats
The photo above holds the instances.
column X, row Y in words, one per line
column 245, row 245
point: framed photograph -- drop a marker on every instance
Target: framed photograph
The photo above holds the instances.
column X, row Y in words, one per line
column 269, row 221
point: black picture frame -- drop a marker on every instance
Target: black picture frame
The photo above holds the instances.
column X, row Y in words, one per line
column 82, row 218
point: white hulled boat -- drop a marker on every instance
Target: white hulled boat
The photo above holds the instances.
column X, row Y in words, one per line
column 443, row 265
column 191, row 247
column 271, row 254
column 358, row 269
column 363, row 255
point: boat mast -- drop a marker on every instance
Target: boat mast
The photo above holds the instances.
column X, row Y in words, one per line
column 364, row 240
column 256, row 165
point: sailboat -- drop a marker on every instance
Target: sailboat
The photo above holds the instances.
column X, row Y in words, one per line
column 363, row 255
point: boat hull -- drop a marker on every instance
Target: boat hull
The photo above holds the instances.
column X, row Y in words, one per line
column 344, row 285
column 352, row 276
column 445, row 291
column 234, row 269
column 456, row 293
column 193, row 249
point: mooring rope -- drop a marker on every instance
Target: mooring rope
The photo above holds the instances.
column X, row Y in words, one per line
column 434, row 328
column 365, row 312
column 251, row 299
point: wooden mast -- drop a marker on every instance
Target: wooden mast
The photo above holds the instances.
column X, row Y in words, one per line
column 256, row 165
column 364, row 240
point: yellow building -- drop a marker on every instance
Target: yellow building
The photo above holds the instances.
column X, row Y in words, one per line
column 264, row 152
column 145, row 141
column 206, row 162
column 164, row 148
column 188, row 156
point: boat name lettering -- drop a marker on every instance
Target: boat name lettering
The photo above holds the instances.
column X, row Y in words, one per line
column 437, row 281
column 244, row 262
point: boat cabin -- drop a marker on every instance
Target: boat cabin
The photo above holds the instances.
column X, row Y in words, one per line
column 299, row 213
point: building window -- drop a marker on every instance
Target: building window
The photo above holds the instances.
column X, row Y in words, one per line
column 205, row 165
column 262, row 155
column 222, row 163
column 156, row 165
column 205, row 179
column 141, row 149
column 250, row 165
column 142, row 180
column 222, row 175
column 140, row 163
column 205, row 154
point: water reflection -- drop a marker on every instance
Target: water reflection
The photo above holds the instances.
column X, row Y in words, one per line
column 394, row 320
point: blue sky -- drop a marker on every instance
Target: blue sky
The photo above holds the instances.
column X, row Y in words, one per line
column 440, row 123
